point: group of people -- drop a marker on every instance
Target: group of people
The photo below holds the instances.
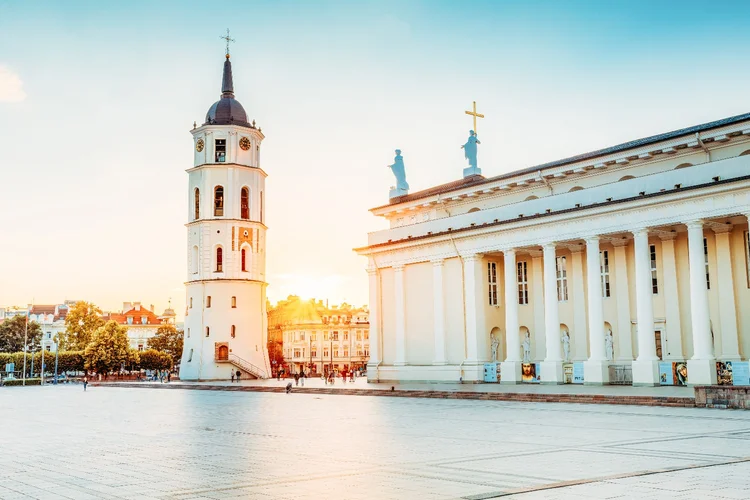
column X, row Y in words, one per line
column 237, row 375
column 162, row 376
column 329, row 378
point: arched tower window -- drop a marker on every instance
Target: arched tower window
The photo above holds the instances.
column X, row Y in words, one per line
column 219, row 201
column 245, row 203
column 197, row 204
column 243, row 254
column 219, row 260
column 234, row 330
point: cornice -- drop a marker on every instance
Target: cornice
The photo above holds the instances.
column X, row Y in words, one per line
column 227, row 219
column 220, row 165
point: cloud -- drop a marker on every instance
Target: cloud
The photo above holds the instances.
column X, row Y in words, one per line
column 11, row 86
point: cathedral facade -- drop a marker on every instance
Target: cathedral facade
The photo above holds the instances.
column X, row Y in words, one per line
column 617, row 261
column 226, row 322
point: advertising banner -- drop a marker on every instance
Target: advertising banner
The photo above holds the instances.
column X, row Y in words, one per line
column 665, row 374
column 530, row 373
column 578, row 373
column 740, row 372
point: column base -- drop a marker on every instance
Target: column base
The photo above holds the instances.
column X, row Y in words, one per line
column 439, row 363
column 510, row 372
column 552, row 372
column 646, row 372
column 701, row 372
column 596, row 372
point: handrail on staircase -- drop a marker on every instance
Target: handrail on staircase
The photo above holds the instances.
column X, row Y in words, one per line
column 247, row 366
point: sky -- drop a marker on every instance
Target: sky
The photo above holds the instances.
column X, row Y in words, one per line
column 97, row 100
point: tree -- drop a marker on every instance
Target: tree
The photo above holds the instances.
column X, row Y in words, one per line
column 12, row 334
column 151, row 359
column 169, row 340
column 109, row 349
column 82, row 321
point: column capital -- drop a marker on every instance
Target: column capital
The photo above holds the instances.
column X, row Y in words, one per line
column 509, row 251
column 546, row 246
column 641, row 231
column 372, row 271
column 592, row 240
column 720, row 227
column 471, row 257
column 694, row 224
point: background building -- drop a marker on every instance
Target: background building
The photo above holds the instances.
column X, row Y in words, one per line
column 142, row 323
column 318, row 338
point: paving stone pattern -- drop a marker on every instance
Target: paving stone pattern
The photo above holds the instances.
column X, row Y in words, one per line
column 131, row 443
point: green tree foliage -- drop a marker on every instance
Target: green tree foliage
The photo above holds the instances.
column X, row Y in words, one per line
column 82, row 321
column 151, row 359
column 12, row 334
column 109, row 349
column 168, row 339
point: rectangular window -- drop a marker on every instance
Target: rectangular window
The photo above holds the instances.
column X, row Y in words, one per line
column 492, row 281
column 325, row 335
column 234, row 302
column 221, row 150
column 654, row 280
column 335, row 336
column 297, row 353
column 705, row 258
column 314, row 353
column 313, row 337
column 208, row 301
column 359, row 335
column 208, row 331
column 302, row 335
column 346, row 335
column 191, row 302
column 604, row 270
column 561, row 269
column 188, row 332
column 325, row 353
column 335, row 352
column 523, row 284
column 367, row 334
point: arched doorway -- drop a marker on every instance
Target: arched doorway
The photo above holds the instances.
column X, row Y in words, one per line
column 223, row 352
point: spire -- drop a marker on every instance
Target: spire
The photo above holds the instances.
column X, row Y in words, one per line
column 227, row 87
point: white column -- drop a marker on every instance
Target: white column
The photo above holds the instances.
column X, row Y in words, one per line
column 472, row 369
column 399, row 296
column 537, row 299
column 578, row 296
column 510, row 369
column 671, row 295
column 374, row 360
column 596, row 369
column 438, row 298
column 552, row 365
column 646, row 367
column 701, row 367
column 727, row 310
column 624, row 348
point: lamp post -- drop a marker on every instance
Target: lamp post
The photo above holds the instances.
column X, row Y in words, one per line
column 57, row 351
column 41, row 347
column 25, row 347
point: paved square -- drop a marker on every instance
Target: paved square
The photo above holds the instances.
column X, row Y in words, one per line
column 117, row 443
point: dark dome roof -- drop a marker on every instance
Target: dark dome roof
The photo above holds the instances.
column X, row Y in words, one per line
column 227, row 110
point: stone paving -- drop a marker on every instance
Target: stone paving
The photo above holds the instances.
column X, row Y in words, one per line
column 121, row 443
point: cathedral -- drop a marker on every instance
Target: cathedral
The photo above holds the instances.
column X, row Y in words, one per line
column 225, row 321
column 629, row 264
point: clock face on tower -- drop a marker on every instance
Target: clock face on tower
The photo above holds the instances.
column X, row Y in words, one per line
column 199, row 145
column 245, row 143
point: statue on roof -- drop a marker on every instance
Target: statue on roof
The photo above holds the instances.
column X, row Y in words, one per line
column 398, row 169
column 470, row 152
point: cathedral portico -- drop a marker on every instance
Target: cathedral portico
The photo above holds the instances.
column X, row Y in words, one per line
column 608, row 275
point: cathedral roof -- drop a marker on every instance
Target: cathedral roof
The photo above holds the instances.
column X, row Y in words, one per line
column 227, row 110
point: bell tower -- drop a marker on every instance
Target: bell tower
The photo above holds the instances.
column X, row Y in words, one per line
column 226, row 324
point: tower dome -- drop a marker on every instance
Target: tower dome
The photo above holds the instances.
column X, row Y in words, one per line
column 227, row 110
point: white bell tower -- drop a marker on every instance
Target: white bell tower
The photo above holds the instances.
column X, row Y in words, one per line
column 226, row 325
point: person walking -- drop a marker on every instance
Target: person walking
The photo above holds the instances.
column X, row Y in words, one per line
column 302, row 378
column 169, row 377
column 239, row 373
column 232, row 376
column 296, row 378
column 85, row 383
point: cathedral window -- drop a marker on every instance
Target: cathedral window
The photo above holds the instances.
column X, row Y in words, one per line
column 219, row 259
column 523, row 283
column 492, row 280
column 191, row 302
column 197, row 204
column 234, row 302
column 245, row 203
column 705, row 258
column 562, row 278
column 208, row 301
column 604, row 270
column 190, row 358
column 654, row 280
column 234, row 330
column 243, row 257
column 219, row 201
column 221, row 150
column 208, row 331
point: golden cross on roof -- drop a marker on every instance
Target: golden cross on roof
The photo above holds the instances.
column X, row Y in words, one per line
column 474, row 115
column 228, row 39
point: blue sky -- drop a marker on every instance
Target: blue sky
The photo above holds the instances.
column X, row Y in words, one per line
column 97, row 99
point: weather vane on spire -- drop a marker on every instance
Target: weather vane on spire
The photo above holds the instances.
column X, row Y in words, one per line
column 228, row 39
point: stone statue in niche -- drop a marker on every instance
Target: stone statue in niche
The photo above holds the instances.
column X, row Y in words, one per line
column 566, row 346
column 527, row 348
column 609, row 345
column 495, row 345
column 399, row 171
